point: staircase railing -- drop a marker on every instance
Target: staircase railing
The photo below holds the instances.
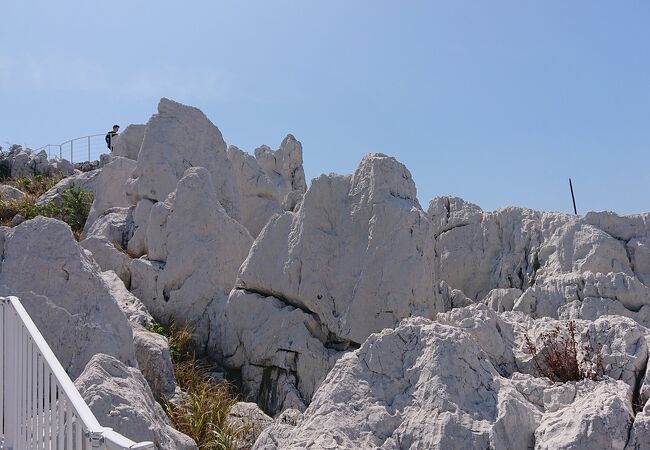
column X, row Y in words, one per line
column 40, row 408
column 86, row 148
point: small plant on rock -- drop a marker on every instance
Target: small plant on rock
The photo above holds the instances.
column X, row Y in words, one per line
column 202, row 413
column 556, row 355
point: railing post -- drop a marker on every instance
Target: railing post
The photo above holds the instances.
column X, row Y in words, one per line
column 11, row 377
column 88, row 148
column 60, row 151
column 71, row 157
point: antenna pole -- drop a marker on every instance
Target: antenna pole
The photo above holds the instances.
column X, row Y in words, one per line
column 575, row 211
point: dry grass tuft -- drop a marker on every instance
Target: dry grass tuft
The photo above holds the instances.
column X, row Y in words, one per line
column 556, row 356
column 203, row 412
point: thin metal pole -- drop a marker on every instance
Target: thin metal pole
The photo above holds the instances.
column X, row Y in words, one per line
column 88, row 148
column 60, row 151
column 575, row 211
column 71, row 152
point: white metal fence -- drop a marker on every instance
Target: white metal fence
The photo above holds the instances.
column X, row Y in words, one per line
column 86, row 148
column 40, row 408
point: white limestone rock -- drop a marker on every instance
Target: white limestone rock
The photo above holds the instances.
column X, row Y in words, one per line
column 250, row 417
column 10, row 193
column 421, row 386
column 85, row 181
column 109, row 189
column 176, row 138
column 355, row 258
column 121, row 397
column 640, row 434
column 105, row 239
column 155, row 362
column 62, row 289
column 23, row 162
column 194, row 251
column 129, row 141
column 269, row 183
column 586, row 415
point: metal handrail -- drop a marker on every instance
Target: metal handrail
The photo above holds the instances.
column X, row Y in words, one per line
column 86, row 146
column 40, row 407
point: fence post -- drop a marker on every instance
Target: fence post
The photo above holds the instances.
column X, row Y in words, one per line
column 60, row 151
column 88, row 148
column 71, row 157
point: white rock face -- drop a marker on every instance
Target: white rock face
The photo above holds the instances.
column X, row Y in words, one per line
column 109, row 189
column 10, row 193
column 427, row 385
column 64, row 293
column 269, row 183
column 84, row 180
column 563, row 264
column 354, row 259
column 249, row 415
column 22, row 162
column 194, row 251
column 177, row 138
column 420, row 386
column 120, row 396
column 106, row 240
column 586, row 415
column 129, row 141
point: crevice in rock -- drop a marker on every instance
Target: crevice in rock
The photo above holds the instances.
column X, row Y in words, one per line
column 447, row 230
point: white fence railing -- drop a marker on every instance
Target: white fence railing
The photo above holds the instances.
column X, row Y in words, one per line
column 40, row 408
column 86, row 148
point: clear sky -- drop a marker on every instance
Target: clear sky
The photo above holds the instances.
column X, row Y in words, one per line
column 498, row 102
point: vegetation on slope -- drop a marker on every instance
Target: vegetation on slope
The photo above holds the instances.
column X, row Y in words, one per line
column 203, row 411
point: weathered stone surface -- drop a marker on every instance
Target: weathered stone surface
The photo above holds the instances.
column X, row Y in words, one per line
column 10, row 193
column 122, row 398
column 20, row 162
column 64, row 293
column 640, row 434
column 129, row 141
column 194, row 251
column 354, row 259
column 109, row 189
column 85, row 181
column 421, row 386
column 105, row 239
column 250, row 417
column 269, row 183
column 586, row 415
column 176, row 138
column 155, row 362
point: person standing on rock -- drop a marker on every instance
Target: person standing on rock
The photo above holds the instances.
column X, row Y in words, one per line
column 110, row 137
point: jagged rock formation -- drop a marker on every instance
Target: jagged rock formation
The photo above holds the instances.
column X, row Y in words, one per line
column 194, row 251
column 121, row 397
column 129, row 141
column 21, row 162
column 553, row 264
column 354, row 259
column 269, row 183
column 62, row 290
column 431, row 385
column 108, row 189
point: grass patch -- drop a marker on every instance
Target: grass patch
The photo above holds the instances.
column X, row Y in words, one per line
column 203, row 412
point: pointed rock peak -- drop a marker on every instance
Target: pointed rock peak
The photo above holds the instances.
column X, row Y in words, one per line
column 383, row 177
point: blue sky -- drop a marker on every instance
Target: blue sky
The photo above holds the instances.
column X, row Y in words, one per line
column 498, row 102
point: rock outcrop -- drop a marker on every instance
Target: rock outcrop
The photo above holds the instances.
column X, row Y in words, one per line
column 194, row 251
column 178, row 137
column 121, row 397
column 269, row 183
column 355, row 258
column 129, row 141
column 21, row 162
column 429, row 385
column 63, row 291
column 10, row 193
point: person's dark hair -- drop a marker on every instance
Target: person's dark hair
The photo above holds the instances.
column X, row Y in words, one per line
column 116, row 126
